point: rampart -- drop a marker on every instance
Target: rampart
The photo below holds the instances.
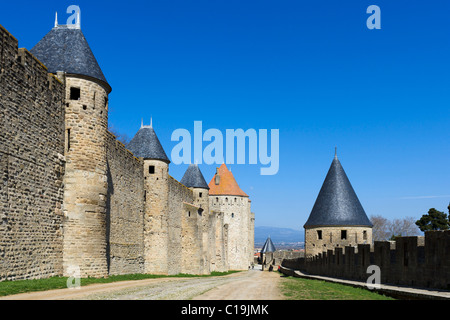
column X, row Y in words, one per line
column 410, row 261
column 124, row 210
column 31, row 165
column 182, row 232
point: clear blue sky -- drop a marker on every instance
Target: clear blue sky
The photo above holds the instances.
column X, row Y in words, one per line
column 309, row 68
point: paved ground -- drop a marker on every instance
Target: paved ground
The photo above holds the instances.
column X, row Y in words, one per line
column 250, row 285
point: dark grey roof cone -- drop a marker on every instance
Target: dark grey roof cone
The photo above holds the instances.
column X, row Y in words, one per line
column 65, row 49
column 268, row 246
column 337, row 203
column 145, row 144
column 193, row 178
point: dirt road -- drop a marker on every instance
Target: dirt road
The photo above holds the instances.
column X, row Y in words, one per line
column 250, row 285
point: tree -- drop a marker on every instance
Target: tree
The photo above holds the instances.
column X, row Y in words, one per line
column 434, row 220
column 405, row 227
column 380, row 228
column 383, row 229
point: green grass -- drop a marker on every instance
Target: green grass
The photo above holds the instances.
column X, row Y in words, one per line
column 23, row 286
column 308, row 289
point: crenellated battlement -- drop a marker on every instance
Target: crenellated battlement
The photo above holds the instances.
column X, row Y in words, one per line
column 410, row 261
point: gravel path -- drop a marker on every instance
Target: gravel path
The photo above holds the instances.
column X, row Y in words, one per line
column 249, row 285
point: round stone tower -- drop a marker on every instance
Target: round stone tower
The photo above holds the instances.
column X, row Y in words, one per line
column 65, row 51
column 146, row 145
column 194, row 179
column 337, row 218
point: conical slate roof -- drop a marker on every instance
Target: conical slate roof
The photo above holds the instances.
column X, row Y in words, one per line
column 227, row 184
column 337, row 203
column 268, row 246
column 65, row 49
column 193, row 178
column 145, row 144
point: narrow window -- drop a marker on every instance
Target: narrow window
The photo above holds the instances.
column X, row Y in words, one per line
column 189, row 213
column 68, row 139
column 232, row 215
column 200, row 194
column 343, row 234
column 75, row 93
column 217, row 199
column 84, row 107
column 106, row 102
column 364, row 235
column 151, row 169
column 319, row 234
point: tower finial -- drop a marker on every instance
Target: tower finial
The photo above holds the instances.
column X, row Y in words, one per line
column 56, row 20
column 151, row 122
column 335, row 152
column 142, row 123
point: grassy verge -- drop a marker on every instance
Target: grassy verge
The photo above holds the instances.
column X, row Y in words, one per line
column 8, row 288
column 307, row 289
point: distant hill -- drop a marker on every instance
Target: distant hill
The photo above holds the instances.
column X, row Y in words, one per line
column 278, row 235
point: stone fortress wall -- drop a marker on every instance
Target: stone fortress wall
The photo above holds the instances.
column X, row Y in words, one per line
column 125, row 210
column 410, row 261
column 31, row 165
column 72, row 196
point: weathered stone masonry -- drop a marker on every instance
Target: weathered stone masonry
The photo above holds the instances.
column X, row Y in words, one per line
column 125, row 210
column 31, row 165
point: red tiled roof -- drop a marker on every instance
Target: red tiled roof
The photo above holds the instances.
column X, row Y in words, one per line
column 227, row 184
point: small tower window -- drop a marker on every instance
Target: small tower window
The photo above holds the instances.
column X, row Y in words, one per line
column 319, row 234
column 200, row 194
column 68, row 139
column 75, row 93
column 151, row 169
column 364, row 235
column 343, row 234
column 232, row 215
